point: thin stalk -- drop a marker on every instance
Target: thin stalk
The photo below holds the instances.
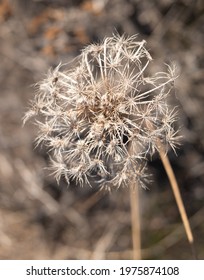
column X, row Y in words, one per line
column 135, row 216
column 135, row 222
column 179, row 201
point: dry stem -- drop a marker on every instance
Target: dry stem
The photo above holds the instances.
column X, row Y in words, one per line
column 175, row 188
column 135, row 216
column 135, row 221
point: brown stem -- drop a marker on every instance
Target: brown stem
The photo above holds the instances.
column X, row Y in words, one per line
column 175, row 188
column 135, row 222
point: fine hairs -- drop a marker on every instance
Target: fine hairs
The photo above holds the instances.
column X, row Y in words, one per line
column 102, row 114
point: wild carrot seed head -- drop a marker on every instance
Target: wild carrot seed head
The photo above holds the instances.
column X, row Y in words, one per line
column 92, row 113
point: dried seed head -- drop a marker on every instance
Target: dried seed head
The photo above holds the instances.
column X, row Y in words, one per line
column 91, row 114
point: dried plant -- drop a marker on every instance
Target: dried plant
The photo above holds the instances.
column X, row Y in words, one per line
column 104, row 103
column 104, row 114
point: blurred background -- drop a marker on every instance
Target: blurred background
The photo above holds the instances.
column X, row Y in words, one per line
column 38, row 218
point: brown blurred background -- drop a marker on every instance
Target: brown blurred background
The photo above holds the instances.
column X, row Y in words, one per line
column 38, row 218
